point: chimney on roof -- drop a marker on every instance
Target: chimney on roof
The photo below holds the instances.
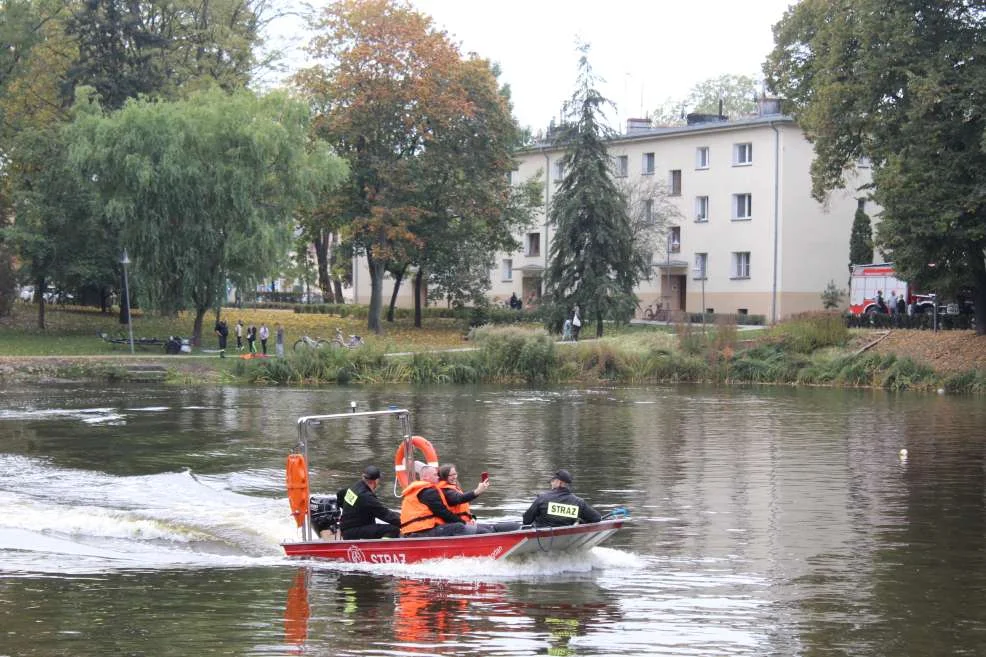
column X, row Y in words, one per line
column 635, row 126
column 768, row 105
column 697, row 118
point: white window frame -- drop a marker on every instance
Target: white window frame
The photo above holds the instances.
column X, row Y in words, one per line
column 702, row 157
column 507, row 270
column 648, row 164
column 742, row 207
column 671, row 188
column 702, row 209
column 741, row 265
column 743, row 154
column 702, row 265
column 528, row 242
column 622, row 166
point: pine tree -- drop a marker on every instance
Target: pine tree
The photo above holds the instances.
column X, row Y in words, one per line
column 861, row 240
column 594, row 261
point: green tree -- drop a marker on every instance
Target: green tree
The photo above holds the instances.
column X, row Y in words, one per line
column 861, row 239
column 594, row 260
column 428, row 136
column 737, row 94
column 203, row 190
column 899, row 83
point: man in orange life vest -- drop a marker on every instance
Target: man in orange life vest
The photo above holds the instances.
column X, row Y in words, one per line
column 425, row 511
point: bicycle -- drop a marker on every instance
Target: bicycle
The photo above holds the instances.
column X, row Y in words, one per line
column 353, row 342
column 305, row 342
column 654, row 312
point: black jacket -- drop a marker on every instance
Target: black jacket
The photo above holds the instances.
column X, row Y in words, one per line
column 431, row 498
column 559, row 507
column 365, row 509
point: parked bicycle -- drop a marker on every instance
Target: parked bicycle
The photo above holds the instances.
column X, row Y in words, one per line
column 305, row 342
column 656, row 312
column 353, row 341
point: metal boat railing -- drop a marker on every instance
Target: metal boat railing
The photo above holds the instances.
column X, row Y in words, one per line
column 306, row 422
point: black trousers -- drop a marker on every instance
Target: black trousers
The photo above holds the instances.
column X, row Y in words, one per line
column 371, row 531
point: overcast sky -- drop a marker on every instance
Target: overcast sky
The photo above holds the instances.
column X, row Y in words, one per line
column 646, row 51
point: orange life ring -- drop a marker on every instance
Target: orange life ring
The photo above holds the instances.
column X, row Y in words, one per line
column 400, row 467
column 297, row 475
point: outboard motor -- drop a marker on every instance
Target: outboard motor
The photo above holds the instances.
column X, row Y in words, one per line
column 324, row 513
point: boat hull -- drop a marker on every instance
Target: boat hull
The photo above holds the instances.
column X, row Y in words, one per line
column 502, row 545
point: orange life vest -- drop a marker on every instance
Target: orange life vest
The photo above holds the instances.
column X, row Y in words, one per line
column 415, row 514
column 461, row 510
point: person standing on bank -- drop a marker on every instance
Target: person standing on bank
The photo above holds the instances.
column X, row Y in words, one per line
column 361, row 508
column 239, row 335
column 279, row 340
column 576, row 323
column 425, row 511
column 223, row 332
column 559, row 506
column 264, row 335
column 252, row 339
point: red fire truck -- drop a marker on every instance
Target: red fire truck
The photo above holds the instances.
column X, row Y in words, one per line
column 867, row 280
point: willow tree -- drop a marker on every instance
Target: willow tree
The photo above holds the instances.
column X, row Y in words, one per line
column 595, row 260
column 203, row 189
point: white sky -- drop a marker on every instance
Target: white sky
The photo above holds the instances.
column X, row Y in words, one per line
column 646, row 51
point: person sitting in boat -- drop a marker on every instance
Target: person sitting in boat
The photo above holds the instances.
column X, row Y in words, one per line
column 458, row 501
column 559, row 506
column 361, row 508
column 425, row 510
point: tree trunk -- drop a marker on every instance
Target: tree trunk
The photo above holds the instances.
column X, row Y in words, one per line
column 337, row 282
column 377, row 270
column 39, row 294
column 418, row 282
column 322, row 265
column 393, row 297
column 197, row 326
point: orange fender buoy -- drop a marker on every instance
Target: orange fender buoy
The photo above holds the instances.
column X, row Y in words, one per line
column 297, row 476
column 400, row 467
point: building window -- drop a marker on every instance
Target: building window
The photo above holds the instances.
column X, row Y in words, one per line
column 701, row 266
column 674, row 239
column 742, row 207
column 741, row 264
column 559, row 169
column 649, row 211
column 674, row 182
column 861, row 204
column 533, row 245
column 622, row 166
column 702, row 157
column 507, row 270
column 701, row 208
column 647, row 166
column 742, row 154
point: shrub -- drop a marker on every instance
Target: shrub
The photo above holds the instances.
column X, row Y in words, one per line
column 810, row 331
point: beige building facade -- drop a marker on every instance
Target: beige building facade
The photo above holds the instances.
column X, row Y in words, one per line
column 747, row 237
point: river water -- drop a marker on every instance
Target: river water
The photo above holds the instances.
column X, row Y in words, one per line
column 766, row 521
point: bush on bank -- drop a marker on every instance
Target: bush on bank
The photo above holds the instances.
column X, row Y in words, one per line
column 807, row 350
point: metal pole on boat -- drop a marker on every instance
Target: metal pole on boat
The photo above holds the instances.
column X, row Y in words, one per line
column 352, row 407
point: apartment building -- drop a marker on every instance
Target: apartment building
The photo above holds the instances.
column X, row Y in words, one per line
column 747, row 237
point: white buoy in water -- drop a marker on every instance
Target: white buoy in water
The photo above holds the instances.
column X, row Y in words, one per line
column 902, row 454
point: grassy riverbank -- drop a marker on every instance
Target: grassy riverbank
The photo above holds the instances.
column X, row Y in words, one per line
column 811, row 350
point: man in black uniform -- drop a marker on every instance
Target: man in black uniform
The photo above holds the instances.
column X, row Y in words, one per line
column 361, row 507
column 559, row 507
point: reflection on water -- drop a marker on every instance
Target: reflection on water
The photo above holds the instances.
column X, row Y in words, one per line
column 765, row 521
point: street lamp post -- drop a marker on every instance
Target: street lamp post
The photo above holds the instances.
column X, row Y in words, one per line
column 126, row 297
column 700, row 272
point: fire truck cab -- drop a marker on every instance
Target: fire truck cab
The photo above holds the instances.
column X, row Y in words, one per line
column 867, row 280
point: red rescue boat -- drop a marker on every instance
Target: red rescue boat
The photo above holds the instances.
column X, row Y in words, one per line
column 318, row 523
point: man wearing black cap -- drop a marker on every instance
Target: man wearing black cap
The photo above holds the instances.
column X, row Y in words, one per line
column 559, row 506
column 361, row 507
